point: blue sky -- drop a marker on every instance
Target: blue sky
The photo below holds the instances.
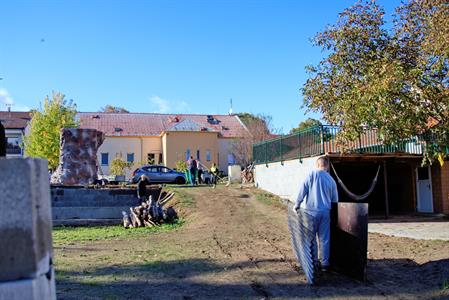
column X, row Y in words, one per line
column 164, row 56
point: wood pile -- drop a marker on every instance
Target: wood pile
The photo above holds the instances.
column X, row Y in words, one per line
column 151, row 212
column 248, row 174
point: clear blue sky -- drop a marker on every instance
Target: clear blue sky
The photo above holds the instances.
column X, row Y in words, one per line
column 164, row 56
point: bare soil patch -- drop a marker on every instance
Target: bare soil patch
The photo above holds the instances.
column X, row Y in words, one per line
column 235, row 244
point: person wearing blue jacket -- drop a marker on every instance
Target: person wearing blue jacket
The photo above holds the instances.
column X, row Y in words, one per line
column 314, row 199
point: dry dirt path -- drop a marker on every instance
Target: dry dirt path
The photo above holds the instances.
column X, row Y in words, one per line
column 236, row 246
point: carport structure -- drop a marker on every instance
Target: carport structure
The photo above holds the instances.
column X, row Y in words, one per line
column 403, row 185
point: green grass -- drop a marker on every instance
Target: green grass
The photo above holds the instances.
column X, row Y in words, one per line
column 184, row 198
column 269, row 199
column 68, row 235
column 445, row 285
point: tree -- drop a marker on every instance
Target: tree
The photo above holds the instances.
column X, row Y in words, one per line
column 259, row 128
column 310, row 122
column 43, row 139
column 113, row 109
column 393, row 80
column 119, row 166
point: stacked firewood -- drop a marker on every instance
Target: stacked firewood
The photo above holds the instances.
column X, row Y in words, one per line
column 151, row 212
column 248, row 174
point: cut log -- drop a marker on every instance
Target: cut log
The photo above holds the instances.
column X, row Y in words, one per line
column 150, row 212
column 135, row 219
column 166, row 199
column 151, row 222
column 147, row 223
column 126, row 220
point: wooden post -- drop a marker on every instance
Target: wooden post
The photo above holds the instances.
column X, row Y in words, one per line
column 413, row 178
column 387, row 213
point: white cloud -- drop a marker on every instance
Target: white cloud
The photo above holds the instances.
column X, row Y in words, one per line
column 183, row 106
column 163, row 106
column 7, row 101
column 5, row 97
column 20, row 107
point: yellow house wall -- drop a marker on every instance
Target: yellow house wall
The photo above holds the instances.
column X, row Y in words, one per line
column 164, row 149
column 172, row 145
column 121, row 146
column 175, row 145
column 152, row 145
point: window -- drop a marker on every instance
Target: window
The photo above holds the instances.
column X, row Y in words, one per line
column 188, row 154
column 164, row 170
column 160, row 158
column 231, row 159
column 150, row 158
column 207, row 155
column 198, row 154
column 130, row 157
column 104, row 159
column 151, row 169
column 13, row 145
column 423, row 173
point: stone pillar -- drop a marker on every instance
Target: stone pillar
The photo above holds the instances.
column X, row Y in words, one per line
column 26, row 252
column 78, row 156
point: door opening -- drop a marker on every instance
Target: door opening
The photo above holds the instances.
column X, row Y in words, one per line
column 424, row 190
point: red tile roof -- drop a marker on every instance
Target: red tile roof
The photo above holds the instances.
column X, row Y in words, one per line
column 15, row 119
column 150, row 124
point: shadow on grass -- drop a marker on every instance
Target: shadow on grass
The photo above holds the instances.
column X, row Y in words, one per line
column 202, row 278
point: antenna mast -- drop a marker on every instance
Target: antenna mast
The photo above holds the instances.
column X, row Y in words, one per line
column 230, row 110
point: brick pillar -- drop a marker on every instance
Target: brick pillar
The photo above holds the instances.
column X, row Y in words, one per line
column 26, row 270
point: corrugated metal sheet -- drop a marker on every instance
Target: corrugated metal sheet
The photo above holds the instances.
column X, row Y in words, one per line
column 302, row 241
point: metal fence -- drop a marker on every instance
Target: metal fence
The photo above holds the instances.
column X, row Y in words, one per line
column 323, row 139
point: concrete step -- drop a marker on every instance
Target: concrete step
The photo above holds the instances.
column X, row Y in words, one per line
column 92, row 202
column 86, row 222
column 86, row 212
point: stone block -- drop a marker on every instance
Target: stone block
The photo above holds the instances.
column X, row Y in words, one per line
column 235, row 173
column 40, row 288
column 25, row 219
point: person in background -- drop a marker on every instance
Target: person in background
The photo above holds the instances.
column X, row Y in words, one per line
column 214, row 172
column 200, row 172
column 314, row 199
column 193, row 167
column 142, row 192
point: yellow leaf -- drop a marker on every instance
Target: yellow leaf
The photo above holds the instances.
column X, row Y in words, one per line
column 441, row 159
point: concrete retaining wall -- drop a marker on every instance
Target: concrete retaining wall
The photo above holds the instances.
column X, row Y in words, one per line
column 283, row 179
column 70, row 205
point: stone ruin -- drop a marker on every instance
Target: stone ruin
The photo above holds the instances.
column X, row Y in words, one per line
column 78, row 163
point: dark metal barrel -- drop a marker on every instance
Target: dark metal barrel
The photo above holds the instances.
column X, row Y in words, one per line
column 349, row 239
